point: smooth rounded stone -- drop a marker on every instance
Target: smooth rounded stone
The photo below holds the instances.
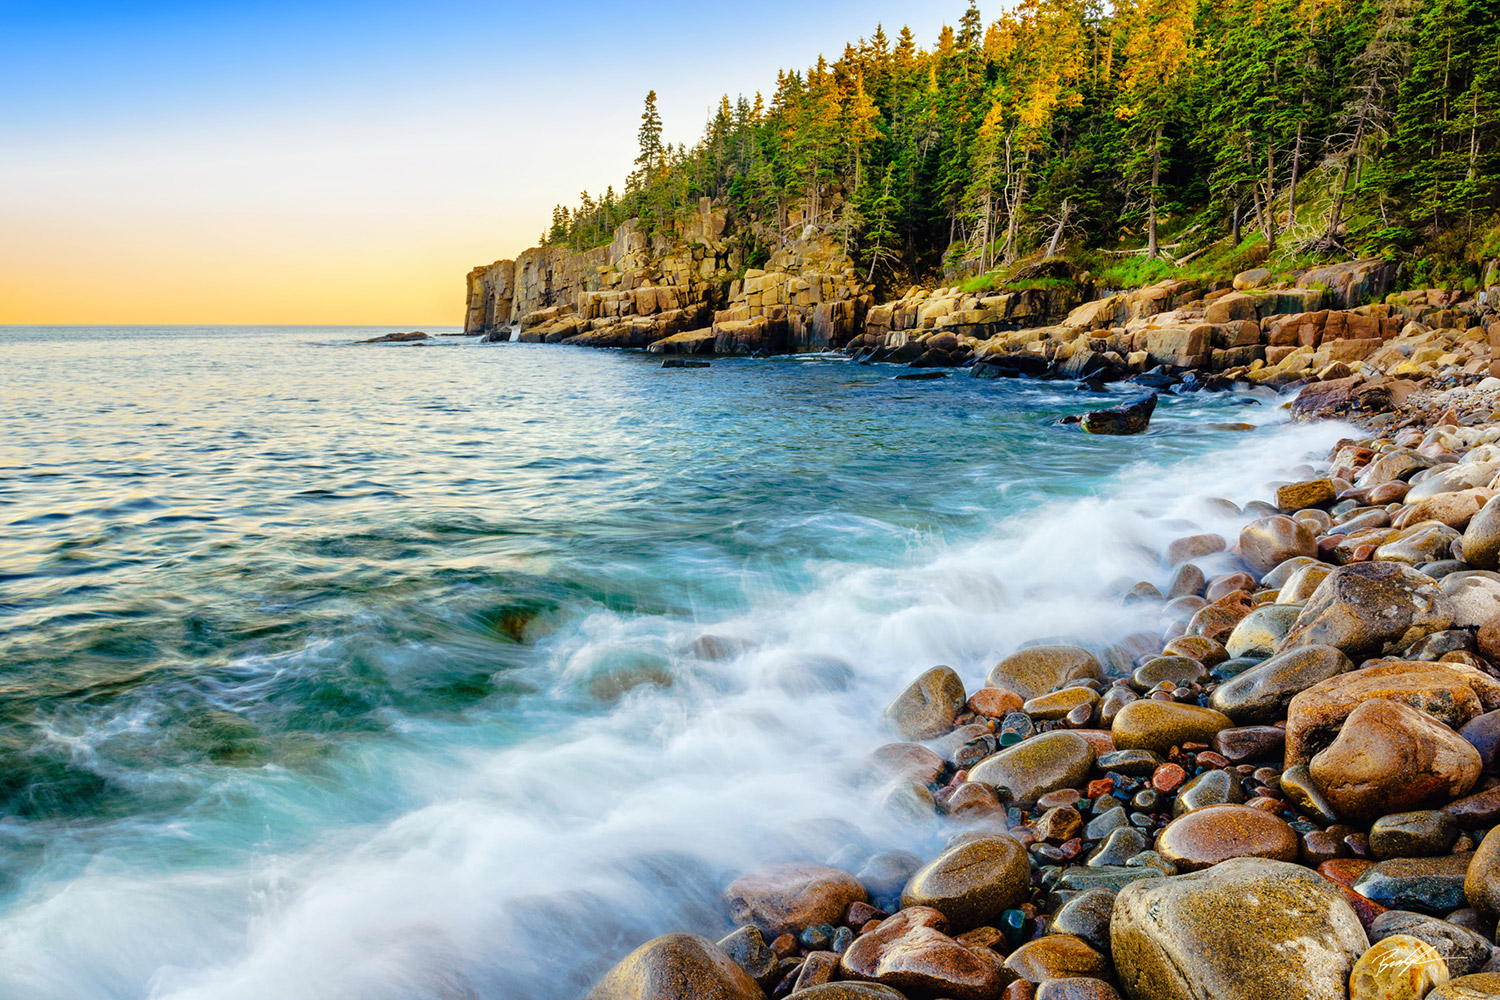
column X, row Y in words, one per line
column 1261, row 631
column 1399, row 967
column 1106, row 823
column 1482, row 878
column 1246, row 929
column 994, row 703
column 1233, row 668
column 1439, row 644
column 1211, row 788
column 1075, row 988
column 1362, row 607
column 1285, row 570
column 973, row 882
column 1131, row 763
column 1056, row 956
column 789, row 897
column 884, row 875
column 1318, row 520
column 1216, row 621
column 912, row 952
column 1420, row 834
column 817, row 970
column 1187, row 581
column 927, row 708
column 1428, row 885
column 909, row 801
column 1473, row 596
column 1445, row 567
column 1418, row 544
column 1398, row 463
column 1245, row 744
column 1208, row 836
column 748, row 948
column 1114, row 699
column 1311, row 493
column 1483, row 734
column 1391, row 758
column 1302, row 584
column 1058, row 704
column 1455, row 510
column 1477, row 811
column 1086, row 917
column 1461, row 477
column 1180, row 670
column 1262, row 693
column 1481, row 986
column 1481, row 538
column 1299, row 788
column 1194, row 547
column 903, row 762
column 1037, row 670
column 1449, row 692
column 1463, row 950
column 1201, row 648
column 1270, row 541
column 1119, row 847
column 1158, row 726
column 1032, row 768
column 1142, row 592
column 850, row 991
column 974, row 802
column 675, row 966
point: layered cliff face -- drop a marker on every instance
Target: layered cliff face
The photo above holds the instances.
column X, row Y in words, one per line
column 684, row 291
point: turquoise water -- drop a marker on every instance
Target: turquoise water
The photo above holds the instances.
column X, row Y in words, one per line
column 370, row 671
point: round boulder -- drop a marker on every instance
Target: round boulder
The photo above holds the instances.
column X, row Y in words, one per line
column 1246, row 929
column 1205, row 837
column 675, row 966
column 972, row 882
column 1398, row 968
column 1482, row 883
column 1267, row 543
column 928, row 706
column 1363, row 607
column 1158, row 726
column 1032, row 768
column 790, row 897
column 1036, row 670
column 1262, row 693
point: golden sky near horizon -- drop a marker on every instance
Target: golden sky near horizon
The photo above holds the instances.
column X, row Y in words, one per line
column 327, row 162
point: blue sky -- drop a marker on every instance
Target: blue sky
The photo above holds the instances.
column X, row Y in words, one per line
column 239, row 162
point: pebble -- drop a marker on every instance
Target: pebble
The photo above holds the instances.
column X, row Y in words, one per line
column 912, row 952
column 1463, row 950
column 928, row 706
column 1086, row 917
column 1482, row 879
column 1210, row 835
column 973, row 882
column 1158, row 725
column 789, row 897
column 1397, row 968
column 1055, row 956
column 1251, row 743
column 1483, row 734
column 1059, row 704
column 1030, row 769
column 1075, row 988
column 994, row 703
column 1119, row 846
column 1211, row 788
column 1423, row 833
column 1262, row 693
column 1270, row 541
column 1037, row 670
column 1428, row 885
column 674, row 966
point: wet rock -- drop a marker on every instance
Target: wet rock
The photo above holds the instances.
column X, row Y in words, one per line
column 1055, row 956
column 1418, row 545
column 1390, row 758
column 1262, row 694
column 1423, row 833
column 1180, row 670
column 1301, row 585
column 851, row 991
column 1160, row 725
column 1032, row 768
column 1086, row 917
column 1207, row 836
column 1481, row 539
column 1482, row 878
column 1300, row 789
column 1261, row 632
column 927, row 707
column 1291, row 935
column 1480, row 810
column 1194, row 547
column 750, row 951
column 816, row 971
column 884, row 875
column 1449, row 692
column 994, row 702
column 973, row 882
column 1284, row 571
column 974, row 802
column 1075, row 988
column 1272, row 540
column 912, row 953
column 1058, row 704
column 1036, row 670
column 1463, row 950
column 903, row 762
column 1211, row 788
column 1130, row 418
column 789, row 897
column 1483, row 734
column 1455, row 510
column 1245, row 744
column 1481, row 986
column 1363, row 607
column 1311, row 493
column 1397, row 968
column 1428, row 885
column 675, row 966
column 1188, row 581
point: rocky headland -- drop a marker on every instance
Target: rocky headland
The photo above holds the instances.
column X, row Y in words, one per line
column 1285, row 784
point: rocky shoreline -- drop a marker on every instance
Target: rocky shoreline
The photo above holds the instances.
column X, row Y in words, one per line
column 1287, row 784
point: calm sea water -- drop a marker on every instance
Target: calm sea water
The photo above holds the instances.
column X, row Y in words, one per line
column 339, row 671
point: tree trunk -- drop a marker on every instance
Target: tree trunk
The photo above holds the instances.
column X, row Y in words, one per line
column 1291, row 205
column 1155, row 180
column 1234, row 223
column 1062, row 221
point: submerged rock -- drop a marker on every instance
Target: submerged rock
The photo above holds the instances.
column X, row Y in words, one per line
column 927, row 708
column 790, row 897
column 1037, row 670
column 911, row 952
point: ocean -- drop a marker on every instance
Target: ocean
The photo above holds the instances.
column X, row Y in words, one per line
column 459, row 670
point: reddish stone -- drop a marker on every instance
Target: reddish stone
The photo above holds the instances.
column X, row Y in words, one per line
column 911, row 953
column 789, row 897
column 1264, row 804
column 1021, row 989
column 1366, row 909
column 1100, row 787
column 984, row 937
column 1208, row 758
column 1344, row 871
column 862, row 913
column 1168, row 778
column 1061, row 797
column 994, row 702
column 785, row 946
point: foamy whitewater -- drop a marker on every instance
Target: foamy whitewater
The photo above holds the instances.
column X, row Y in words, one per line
column 368, row 672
